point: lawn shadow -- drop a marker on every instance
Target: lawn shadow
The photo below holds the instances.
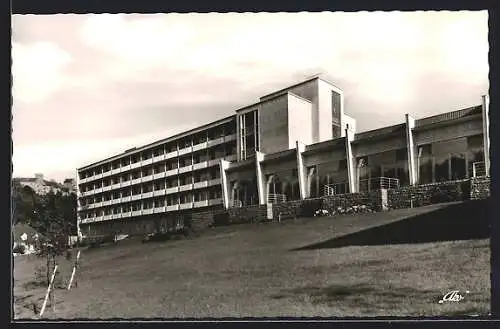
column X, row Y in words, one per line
column 359, row 295
column 462, row 221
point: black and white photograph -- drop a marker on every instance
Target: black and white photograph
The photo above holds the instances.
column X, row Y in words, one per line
column 250, row 165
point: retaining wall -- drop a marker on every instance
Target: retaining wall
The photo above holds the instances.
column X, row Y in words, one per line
column 422, row 195
column 480, row 188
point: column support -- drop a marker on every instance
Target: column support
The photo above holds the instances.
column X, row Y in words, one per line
column 486, row 132
column 301, row 170
column 410, row 147
column 259, row 157
column 349, row 137
column 224, row 165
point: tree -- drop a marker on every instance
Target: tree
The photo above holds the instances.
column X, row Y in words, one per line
column 52, row 215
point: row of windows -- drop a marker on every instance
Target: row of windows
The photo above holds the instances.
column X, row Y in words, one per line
column 155, row 203
column 143, row 188
column 163, row 149
column 199, row 175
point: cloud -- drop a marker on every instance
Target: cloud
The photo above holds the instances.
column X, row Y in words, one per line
column 64, row 157
column 37, row 70
column 85, row 78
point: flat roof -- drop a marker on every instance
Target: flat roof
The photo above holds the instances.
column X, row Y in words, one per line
column 316, row 77
column 136, row 150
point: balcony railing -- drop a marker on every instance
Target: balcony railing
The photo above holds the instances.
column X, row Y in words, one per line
column 377, row 183
column 276, row 198
column 479, row 169
column 333, row 189
column 236, row 204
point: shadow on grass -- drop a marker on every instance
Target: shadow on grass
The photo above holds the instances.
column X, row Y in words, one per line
column 462, row 221
column 359, row 295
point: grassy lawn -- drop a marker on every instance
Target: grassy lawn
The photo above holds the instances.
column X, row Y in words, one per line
column 259, row 270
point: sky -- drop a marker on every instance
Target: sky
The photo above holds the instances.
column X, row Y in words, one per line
column 86, row 87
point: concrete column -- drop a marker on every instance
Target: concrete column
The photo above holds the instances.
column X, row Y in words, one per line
column 486, row 132
column 259, row 157
column 301, row 170
column 410, row 146
column 224, row 165
column 350, row 159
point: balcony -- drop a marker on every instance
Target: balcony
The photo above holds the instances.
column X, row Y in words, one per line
column 147, row 211
column 125, row 168
column 98, row 190
column 159, row 192
column 159, row 175
column 171, row 172
column 185, row 169
column 200, row 146
column 106, row 203
column 186, row 187
column 200, row 165
column 136, row 213
column 158, row 210
column 126, row 183
column 135, row 197
column 230, row 138
column 135, row 181
column 215, row 141
column 116, row 201
column 115, row 186
column 200, row 184
column 183, row 206
column 198, row 204
column 171, row 155
column 173, row 207
column 170, row 190
column 186, row 150
column 126, row 199
column 215, row 181
column 213, row 202
column 213, row 162
column 135, row 165
column 147, row 195
column 147, row 162
column 97, row 204
column 107, row 188
column 126, row 214
column 107, row 217
column 106, row 173
column 99, row 219
column 147, row 178
column 159, row 158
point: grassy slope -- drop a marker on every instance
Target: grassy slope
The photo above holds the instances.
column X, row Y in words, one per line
column 251, row 270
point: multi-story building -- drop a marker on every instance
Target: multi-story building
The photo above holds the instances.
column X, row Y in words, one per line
column 293, row 144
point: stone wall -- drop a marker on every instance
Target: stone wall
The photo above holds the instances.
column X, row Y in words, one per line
column 422, row 195
column 372, row 200
column 247, row 214
column 296, row 208
column 480, row 188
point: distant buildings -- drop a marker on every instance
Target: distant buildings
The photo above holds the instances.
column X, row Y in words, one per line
column 42, row 186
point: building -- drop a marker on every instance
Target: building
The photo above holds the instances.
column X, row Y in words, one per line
column 39, row 184
column 293, row 144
